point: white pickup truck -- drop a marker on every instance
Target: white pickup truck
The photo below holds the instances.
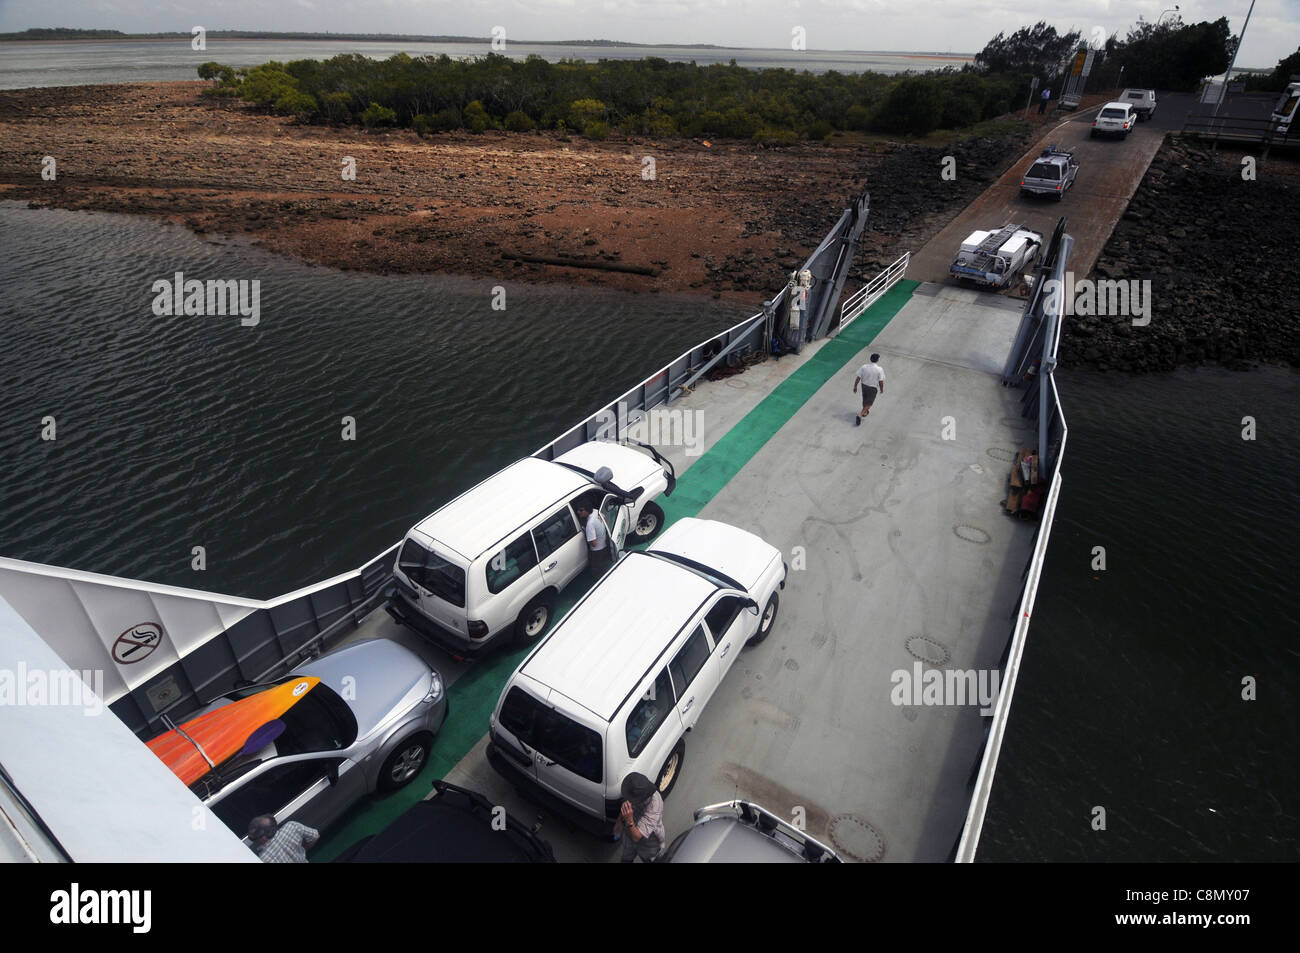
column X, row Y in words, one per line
column 1051, row 174
column 993, row 258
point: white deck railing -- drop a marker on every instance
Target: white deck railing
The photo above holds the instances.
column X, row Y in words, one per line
column 872, row 292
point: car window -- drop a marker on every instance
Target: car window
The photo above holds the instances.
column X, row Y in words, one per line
column 689, row 660
column 269, row 792
column 426, row 568
column 722, row 615
column 1044, row 170
column 555, row 532
column 651, row 711
column 1114, row 113
column 557, row 736
column 511, row 563
column 319, row 721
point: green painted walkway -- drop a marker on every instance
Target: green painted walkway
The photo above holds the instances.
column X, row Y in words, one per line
column 474, row 695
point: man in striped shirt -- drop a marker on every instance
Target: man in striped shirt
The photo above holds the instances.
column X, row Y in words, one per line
column 280, row 845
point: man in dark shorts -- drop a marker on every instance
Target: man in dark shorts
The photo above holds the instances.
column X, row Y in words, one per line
column 872, row 378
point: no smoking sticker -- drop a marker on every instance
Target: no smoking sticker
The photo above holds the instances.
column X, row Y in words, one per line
column 137, row 643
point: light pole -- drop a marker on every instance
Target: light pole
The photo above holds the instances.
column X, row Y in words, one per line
column 1233, row 62
column 1162, row 16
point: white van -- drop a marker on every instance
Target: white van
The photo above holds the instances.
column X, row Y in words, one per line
column 487, row 566
column 620, row 681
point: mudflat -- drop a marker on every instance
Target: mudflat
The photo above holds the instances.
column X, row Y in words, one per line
column 723, row 218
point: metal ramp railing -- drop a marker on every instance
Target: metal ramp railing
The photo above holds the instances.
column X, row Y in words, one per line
column 872, row 292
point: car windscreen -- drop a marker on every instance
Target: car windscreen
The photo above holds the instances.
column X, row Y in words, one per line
column 426, row 568
column 554, row 734
column 1044, row 170
column 1113, row 114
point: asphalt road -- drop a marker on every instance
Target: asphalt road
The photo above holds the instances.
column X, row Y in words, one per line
column 1110, row 171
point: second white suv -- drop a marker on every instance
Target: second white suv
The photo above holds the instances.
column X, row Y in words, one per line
column 618, row 683
column 1114, row 119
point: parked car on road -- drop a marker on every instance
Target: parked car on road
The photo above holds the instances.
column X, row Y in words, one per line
column 1114, row 119
column 1052, row 174
column 367, row 725
column 618, row 683
column 487, row 567
column 741, row 832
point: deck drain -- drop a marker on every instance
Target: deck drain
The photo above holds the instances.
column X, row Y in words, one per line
column 972, row 534
column 998, row 453
column 928, row 650
column 856, row 839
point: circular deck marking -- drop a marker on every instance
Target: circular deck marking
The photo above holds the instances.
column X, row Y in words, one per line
column 1002, row 454
column 928, row 650
column 856, row 839
column 137, row 643
column 972, row 534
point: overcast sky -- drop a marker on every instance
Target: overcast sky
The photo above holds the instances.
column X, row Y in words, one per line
column 959, row 26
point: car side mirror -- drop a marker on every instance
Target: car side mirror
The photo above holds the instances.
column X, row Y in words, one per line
column 332, row 774
column 752, row 606
column 635, row 495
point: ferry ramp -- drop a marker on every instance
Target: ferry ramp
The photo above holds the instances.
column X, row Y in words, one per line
column 899, row 554
column 1110, row 171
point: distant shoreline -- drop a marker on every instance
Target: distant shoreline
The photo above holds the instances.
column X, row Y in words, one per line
column 458, row 40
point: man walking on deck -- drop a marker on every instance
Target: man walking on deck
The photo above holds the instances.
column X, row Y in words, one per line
column 872, row 378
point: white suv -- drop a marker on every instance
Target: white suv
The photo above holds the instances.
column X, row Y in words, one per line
column 1114, row 119
column 489, row 564
column 618, row 683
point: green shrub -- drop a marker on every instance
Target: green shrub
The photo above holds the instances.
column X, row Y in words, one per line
column 476, row 118
column 297, row 103
column 377, row 115
column 913, row 106
column 596, row 130
column 820, row 129
column 520, row 121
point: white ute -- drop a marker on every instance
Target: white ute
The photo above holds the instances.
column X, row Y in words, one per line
column 618, row 683
column 487, row 566
column 994, row 258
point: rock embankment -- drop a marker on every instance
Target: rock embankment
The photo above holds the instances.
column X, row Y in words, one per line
column 1219, row 250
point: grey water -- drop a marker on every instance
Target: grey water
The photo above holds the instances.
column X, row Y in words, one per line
column 184, row 431
column 175, row 432
column 74, row 63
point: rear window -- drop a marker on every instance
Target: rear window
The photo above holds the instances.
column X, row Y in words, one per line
column 1136, row 96
column 427, row 569
column 554, row 734
column 1044, row 170
column 1114, row 113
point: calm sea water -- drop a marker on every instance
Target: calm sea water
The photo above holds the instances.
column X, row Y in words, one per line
column 176, row 432
column 73, row 63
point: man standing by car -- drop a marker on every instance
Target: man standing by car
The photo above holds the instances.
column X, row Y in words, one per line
column 281, row 845
column 598, row 548
column 640, row 819
column 1042, row 100
column 872, row 378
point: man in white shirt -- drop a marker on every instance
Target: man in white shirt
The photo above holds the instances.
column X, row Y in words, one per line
column 872, row 378
column 598, row 547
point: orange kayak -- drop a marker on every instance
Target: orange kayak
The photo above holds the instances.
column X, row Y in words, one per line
column 222, row 733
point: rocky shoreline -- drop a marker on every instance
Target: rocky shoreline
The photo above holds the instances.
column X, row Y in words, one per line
column 725, row 219
column 1219, row 251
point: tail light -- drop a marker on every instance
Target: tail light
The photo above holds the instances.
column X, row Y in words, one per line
column 478, row 630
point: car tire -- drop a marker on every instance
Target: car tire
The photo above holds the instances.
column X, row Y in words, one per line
column 766, row 621
column 405, row 762
column 1092, row 133
column 671, row 769
column 535, row 619
column 648, row 524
